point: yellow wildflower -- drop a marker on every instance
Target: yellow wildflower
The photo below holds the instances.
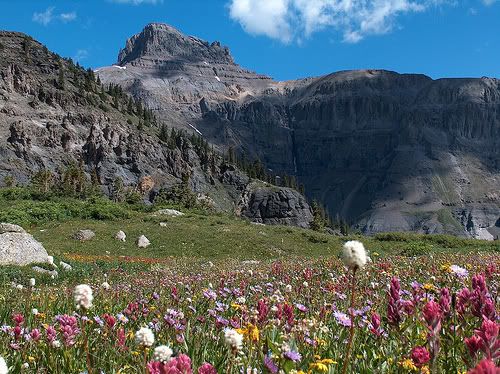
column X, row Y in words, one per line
column 235, row 306
column 446, row 268
column 251, row 332
column 408, row 364
column 425, row 370
column 319, row 367
column 328, row 361
column 429, row 287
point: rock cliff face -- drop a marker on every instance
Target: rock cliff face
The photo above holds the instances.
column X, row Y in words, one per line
column 53, row 113
column 385, row 151
column 275, row 206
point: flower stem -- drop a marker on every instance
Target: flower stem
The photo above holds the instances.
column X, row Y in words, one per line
column 86, row 347
column 351, row 331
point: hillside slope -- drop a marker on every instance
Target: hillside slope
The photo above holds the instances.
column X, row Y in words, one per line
column 385, row 151
column 54, row 114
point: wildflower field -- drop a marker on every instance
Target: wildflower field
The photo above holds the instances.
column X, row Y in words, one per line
column 216, row 295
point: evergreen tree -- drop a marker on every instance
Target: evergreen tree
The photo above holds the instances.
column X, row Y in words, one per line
column 318, row 222
column 164, row 133
column 60, row 80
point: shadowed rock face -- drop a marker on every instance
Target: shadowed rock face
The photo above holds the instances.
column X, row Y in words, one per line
column 275, row 206
column 383, row 150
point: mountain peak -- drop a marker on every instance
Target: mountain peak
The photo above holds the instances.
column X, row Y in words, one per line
column 162, row 43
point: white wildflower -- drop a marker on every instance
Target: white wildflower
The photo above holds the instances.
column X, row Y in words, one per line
column 241, row 300
column 162, row 353
column 105, row 285
column 26, row 365
column 234, row 339
column 83, row 296
column 305, row 284
column 288, row 288
column 34, row 311
column 32, row 282
column 56, row 344
column 50, row 260
column 3, row 366
column 145, row 337
column 19, row 287
column 354, row 254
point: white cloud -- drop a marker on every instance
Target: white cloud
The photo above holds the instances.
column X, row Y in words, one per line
column 489, row 2
column 264, row 17
column 288, row 20
column 81, row 55
column 44, row 18
column 67, row 17
column 47, row 16
column 137, row 2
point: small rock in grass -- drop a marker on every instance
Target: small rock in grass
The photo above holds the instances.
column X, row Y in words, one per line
column 65, row 266
column 52, row 273
column 84, row 235
column 143, row 242
column 120, row 235
column 169, row 213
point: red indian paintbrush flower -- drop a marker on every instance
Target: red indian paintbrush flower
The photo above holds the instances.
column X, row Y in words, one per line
column 485, row 367
column 420, row 356
column 394, row 306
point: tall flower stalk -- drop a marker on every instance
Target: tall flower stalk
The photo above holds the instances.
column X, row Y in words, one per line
column 354, row 257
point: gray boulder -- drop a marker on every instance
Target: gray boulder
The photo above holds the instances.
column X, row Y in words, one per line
column 17, row 247
column 84, row 235
column 272, row 205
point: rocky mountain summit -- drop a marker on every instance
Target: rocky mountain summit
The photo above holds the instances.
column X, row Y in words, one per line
column 54, row 114
column 382, row 150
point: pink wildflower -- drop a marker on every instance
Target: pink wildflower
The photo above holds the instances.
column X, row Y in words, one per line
column 420, row 356
column 394, row 306
column 485, row 367
column 206, row 368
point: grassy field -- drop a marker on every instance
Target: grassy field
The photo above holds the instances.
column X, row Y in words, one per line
column 196, row 237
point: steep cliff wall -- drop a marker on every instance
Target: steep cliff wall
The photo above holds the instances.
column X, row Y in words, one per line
column 385, row 151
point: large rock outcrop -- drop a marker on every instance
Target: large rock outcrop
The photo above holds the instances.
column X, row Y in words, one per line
column 273, row 205
column 17, row 247
column 382, row 150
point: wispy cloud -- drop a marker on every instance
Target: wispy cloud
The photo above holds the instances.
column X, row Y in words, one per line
column 137, row 2
column 46, row 17
column 67, row 17
column 292, row 20
column 81, row 54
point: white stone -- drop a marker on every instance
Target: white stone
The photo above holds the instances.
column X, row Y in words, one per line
column 169, row 213
column 143, row 242
column 65, row 266
column 121, row 236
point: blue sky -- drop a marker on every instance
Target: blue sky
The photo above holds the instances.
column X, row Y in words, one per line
column 285, row 39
